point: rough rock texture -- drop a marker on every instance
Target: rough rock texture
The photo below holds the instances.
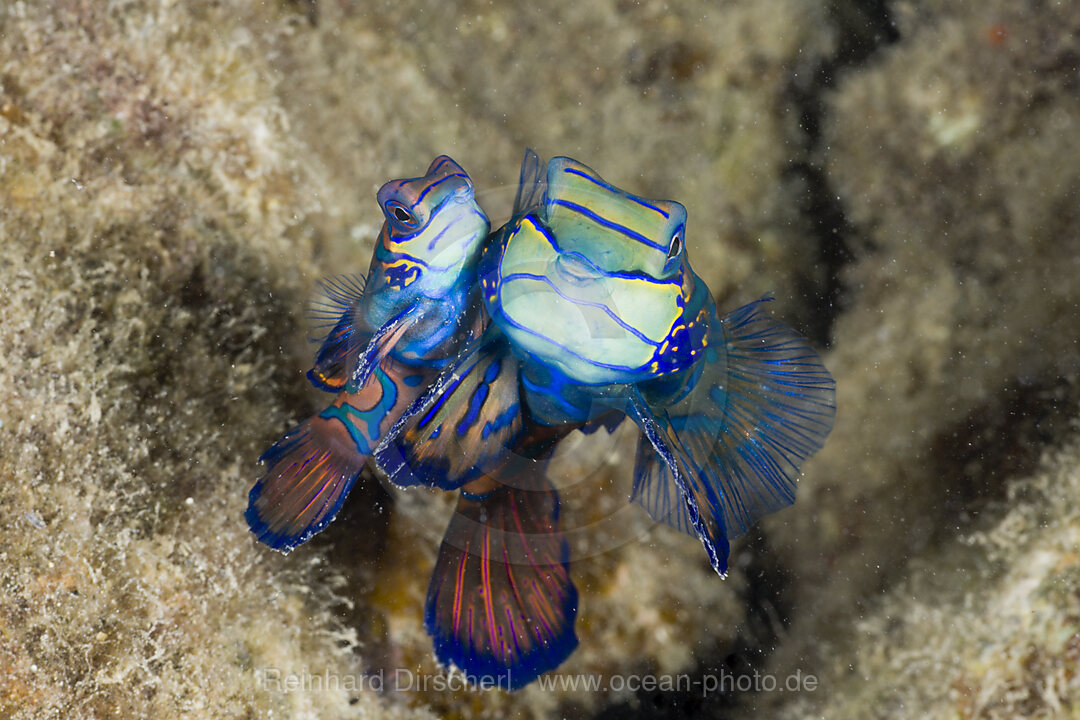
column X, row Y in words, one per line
column 987, row 625
column 174, row 177
column 958, row 362
column 953, row 152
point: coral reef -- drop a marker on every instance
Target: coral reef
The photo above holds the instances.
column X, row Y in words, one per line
column 986, row 625
column 174, row 178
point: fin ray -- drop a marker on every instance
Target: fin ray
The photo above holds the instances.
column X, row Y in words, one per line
column 690, row 502
column 336, row 324
column 501, row 604
column 380, row 344
column 532, row 182
column 763, row 405
column 309, row 472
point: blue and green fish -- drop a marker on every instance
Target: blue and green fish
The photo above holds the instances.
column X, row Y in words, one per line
column 387, row 340
column 593, row 313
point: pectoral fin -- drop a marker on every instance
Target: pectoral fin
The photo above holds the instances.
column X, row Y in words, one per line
column 686, row 497
column 351, row 351
column 337, row 326
column 381, row 343
column 733, row 447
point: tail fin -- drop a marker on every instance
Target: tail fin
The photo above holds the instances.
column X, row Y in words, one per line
column 763, row 405
column 501, row 604
column 309, row 471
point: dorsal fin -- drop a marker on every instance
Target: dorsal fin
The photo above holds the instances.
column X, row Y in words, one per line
column 531, row 183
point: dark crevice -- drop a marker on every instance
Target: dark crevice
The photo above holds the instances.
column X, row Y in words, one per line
column 310, row 8
column 1004, row 437
column 863, row 28
column 354, row 546
column 721, row 679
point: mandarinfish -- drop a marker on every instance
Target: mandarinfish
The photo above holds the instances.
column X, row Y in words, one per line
column 593, row 313
column 388, row 338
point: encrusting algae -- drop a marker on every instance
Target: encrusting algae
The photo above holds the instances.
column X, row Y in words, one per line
column 175, row 177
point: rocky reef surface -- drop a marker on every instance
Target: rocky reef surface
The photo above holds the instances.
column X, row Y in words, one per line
column 175, row 177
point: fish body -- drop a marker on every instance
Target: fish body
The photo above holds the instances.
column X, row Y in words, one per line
column 594, row 292
column 388, row 337
column 463, row 372
column 596, row 314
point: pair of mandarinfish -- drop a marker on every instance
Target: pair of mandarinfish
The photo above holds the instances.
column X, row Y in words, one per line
column 466, row 352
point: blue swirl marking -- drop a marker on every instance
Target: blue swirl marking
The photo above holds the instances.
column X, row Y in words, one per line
column 389, row 256
column 585, row 303
column 621, row 229
column 435, row 240
column 400, row 236
column 502, row 421
column 540, row 228
column 435, row 184
column 443, row 397
column 515, row 324
column 554, row 395
column 611, row 188
column 365, row 443
column 478, row 398
column 400, row 275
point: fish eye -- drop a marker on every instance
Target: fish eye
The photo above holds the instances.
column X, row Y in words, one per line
column 399, row 212
column 676, row 245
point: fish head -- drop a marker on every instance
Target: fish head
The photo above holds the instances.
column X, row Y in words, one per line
column 433, row 228
column 596, row 281
column 617, row 232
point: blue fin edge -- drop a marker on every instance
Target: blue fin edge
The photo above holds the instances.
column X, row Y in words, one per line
column 283, row 542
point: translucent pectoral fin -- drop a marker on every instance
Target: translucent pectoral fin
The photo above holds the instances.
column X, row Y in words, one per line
column 463, row 426
column 763, row 404
column 381, row 343
column 309, row 472
column 350, row 351
column 501, row 605
column 685, row 498
column 336, row 325
column 656, row 490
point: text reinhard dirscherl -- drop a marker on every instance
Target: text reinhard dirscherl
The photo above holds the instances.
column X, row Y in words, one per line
column 274, row 679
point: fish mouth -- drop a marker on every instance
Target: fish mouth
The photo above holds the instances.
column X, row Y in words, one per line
column 464, row 193
column 575, row 269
